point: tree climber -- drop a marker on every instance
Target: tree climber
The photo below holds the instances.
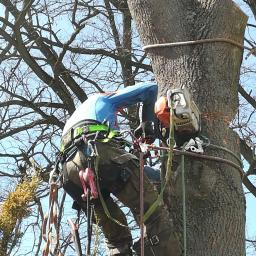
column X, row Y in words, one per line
column 118, row 171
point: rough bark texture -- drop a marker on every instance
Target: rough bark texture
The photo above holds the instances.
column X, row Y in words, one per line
column 215, row 199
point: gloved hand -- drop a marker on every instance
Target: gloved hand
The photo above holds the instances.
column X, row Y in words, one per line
column 145, row 131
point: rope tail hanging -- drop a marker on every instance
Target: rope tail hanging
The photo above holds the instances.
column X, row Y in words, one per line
column 141, row 203
column 169, row 173
column 184, row 216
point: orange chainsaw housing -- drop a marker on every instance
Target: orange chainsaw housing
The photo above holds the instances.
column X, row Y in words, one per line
column 162, row 111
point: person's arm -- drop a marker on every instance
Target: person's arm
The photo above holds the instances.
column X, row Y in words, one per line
column 141, row 92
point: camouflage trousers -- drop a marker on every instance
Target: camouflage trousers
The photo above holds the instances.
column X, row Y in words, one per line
column 118, row 174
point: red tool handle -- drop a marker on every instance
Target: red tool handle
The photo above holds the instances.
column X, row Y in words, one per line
column 91, row 180
column 81, row 176
column 87, row 179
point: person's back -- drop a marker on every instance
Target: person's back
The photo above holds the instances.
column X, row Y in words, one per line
column 104, row 107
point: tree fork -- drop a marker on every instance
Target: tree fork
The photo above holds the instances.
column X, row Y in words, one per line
column 215, row 199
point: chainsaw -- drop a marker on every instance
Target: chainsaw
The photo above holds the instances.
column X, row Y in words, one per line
column 186, row 116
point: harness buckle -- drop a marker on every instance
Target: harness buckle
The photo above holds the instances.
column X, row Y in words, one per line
column 154, row 240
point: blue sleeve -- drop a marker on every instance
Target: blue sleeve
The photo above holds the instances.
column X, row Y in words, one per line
column 142, row 92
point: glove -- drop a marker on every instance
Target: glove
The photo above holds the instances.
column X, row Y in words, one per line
column 146, row 131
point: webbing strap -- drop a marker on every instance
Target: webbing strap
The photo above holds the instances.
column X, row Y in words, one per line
column 111, row 135
column 91, row 128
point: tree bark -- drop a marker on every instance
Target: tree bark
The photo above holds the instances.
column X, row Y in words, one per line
column 215, row 199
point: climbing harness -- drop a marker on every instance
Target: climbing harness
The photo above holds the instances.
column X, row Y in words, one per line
column 99, row 131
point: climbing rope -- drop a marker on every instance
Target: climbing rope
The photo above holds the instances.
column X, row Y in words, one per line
column 106, row 210
column 184, row 216
column 200, row 41
column 141, row 203
column 50, row 231
column 201, row 156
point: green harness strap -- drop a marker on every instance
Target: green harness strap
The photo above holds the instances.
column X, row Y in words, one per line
column 92, row 128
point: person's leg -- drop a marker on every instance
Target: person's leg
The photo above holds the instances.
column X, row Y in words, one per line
column 118, row 238
column 159, row 241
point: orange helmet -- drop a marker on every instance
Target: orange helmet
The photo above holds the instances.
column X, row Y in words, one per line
column 162, row 111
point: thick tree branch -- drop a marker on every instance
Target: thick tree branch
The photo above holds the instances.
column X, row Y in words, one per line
column 247, row 96
column 249, row 155
column 249, row 185
column 252, row 4
column 27, row 103
column 14, row 131
column 101, row 52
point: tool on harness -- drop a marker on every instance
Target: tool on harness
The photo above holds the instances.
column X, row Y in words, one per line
column 86, row 175
column 186, row 116
column 87, row 179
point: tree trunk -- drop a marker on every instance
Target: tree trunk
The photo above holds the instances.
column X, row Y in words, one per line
column 214, row 199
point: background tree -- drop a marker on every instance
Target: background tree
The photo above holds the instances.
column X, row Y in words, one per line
column 53, row 55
